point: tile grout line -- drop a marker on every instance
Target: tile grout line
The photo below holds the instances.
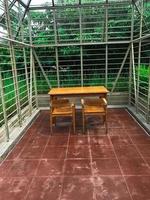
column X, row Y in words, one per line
column 120, row 168
column 25, row 198
column 90, row 152
column 63, row 170
column 91, row 161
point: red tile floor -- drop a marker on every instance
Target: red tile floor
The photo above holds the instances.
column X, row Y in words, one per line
column 68, row 166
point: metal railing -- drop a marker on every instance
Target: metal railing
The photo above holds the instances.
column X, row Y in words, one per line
column 103, row 43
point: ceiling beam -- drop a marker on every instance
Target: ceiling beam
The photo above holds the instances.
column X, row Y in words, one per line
column 41, row 7
column 23, row 4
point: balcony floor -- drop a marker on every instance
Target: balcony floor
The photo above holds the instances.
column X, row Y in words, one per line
column 90, row 166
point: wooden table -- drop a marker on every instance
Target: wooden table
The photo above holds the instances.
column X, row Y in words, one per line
column 100, row 91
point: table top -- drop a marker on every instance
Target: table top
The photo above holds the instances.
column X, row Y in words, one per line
column 78, row 90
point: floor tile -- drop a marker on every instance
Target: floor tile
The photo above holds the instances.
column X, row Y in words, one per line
column 5, row 167
column 37, row 141
column 99, row 140
column 147, row 159
column 135, row 130
column 132, row 125
column 15, row 153
column 140, row 139
column 44, row 132
column 120, row 140
column 56, row 141
column 110, row 187
column 139, row 187
column 144, row 150
column 32, row 152
column 115, row 124
column 60, row 130
column 126, row 151
column 105, row 166
column 97, row 131
column 116, row 131
column 78, row 140
column 78, row 132
column 44, row 188
column 78, row 151
column 54, row 152
column 23, row 168
column 22, row 142
column 14, row 188
column 75, row 188
column 134, row 166
column 102, row 151
column 50, row 167
column 77, row 167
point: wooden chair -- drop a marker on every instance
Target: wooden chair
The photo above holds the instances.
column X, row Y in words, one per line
column 61, row 107
column 94, row 107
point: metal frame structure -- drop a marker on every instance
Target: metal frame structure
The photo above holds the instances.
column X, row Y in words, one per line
column 96, row 56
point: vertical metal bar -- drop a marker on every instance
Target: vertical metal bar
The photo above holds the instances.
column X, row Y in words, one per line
column 4, row 107
column 57, row 66
column 81, row 47
column 56, row 48
column 55, row 26
column 131, row 63
column 106, row 65
column 13, row 61
column 139, row 56
column 81, row 56
column 132, row 23
column 134, row 73
column 35, row 84
column 80, row 22
column 32, row 70
column 130, row 79
column 31, row 64
column 106, row 40
column 31, row 80
column 26, row 69
column 25, row 62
